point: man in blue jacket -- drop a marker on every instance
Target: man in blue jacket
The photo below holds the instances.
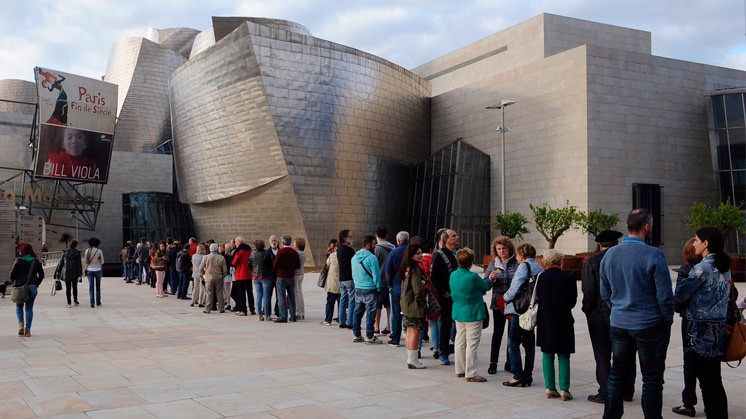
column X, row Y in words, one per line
column 636, row 285
column 391, row 273
column 367, row 277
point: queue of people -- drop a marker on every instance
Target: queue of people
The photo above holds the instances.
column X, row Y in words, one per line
column 627, row 299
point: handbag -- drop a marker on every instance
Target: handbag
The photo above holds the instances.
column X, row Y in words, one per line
column 527, row 320
column 322, row 277
column 57, row 287
column 523, row 297
column 486, row 319
column 19, row 295
column 433, row 305
column 735, row 332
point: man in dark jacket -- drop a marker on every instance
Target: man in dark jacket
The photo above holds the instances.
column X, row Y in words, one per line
column 346, row 285
column 394, row 279
column 444, row 262
column 287, row 261
column 597, row 313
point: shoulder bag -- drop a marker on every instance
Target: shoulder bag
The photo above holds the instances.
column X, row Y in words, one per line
column 527, row 320
column 523, row 297
column 19, row 295
column 735, row 332
column 322, row 277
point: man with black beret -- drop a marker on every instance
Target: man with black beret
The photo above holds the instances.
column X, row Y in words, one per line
column 597, row 313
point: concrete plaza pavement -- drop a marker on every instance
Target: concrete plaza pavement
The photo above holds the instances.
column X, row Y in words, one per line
column 138, row 356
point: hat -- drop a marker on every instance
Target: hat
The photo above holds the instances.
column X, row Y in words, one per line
column 214, row 247
column 608, row 236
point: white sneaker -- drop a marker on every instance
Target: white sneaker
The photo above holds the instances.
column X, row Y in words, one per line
column 373, row 341
column 416, row 365
column 358, row 339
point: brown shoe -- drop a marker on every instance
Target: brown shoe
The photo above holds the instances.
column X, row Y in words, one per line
column 460, row 375
column 21, row 329
column 476, row 379
column 27, row 333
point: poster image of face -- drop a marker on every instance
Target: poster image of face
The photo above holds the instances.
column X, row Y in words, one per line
column 73, row 154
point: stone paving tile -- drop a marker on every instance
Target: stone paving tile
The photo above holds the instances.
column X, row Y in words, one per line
column 53, row 385
column 162, row 358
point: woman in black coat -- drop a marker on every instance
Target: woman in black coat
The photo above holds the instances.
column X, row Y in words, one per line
column 557, row 293
column 70, row 269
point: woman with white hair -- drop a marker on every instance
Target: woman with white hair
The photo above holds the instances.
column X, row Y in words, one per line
column 557, row 293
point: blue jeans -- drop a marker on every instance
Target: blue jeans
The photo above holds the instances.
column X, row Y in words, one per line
column 365, row 303
column 396, row 317
column 518, row 337
column 127, row 271
column 286, row 288
column 651, row 345
column 435, row 333
column 183, row 284
column 94, row 280
column 143, row 276
column 263, row 288
column 331, row 299
column 28, row 307
column 174, row 280
column 346, row 302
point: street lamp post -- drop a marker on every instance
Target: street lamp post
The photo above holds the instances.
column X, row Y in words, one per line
column 502, row 129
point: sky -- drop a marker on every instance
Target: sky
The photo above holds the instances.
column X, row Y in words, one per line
column 76, row 36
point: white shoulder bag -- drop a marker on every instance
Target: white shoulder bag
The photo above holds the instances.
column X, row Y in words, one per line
column 527, row 320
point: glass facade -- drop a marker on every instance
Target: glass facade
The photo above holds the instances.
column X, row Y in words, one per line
column 452, row 189
column 728, row 142
column 155, row 216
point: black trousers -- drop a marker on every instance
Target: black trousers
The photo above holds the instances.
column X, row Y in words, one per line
column 601, row 344
column 446, row 323
column 689, row 394
column 71, row 284
column 707, row 371
column 240, row 290
column 498, row 328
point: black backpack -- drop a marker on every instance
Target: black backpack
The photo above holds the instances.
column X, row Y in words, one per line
column 523, row 297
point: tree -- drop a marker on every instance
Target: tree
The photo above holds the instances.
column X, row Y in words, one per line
column 553, row 222
column 596, row 221
column 726, row 216
column 511, row 224
column 65, row 238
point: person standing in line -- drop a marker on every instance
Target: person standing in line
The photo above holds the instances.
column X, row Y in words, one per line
column 125, row 256
column 413, row 302
column 444, row 263
column 689, row 394
column 597, row 314
column 183, row 267
column 94, row 262
column 636, row 284
column 70, row 269
column 286, row 263
column 142, row 257
column 26, row 268
column 173, row 275
column 382, row 250
column 159, row 264
column 528, row 268
column 367, row 278
column 707, row 292
column 467, row 292
column 394, row 279
column 261, row 269
column 198, row 294
column 500, row 273
column 225, row 251
column 557, row 294
column 299, row 244
column 242, row 280
column 214, row 270
column 332, row 283
column 274, row 247
column 346, row 284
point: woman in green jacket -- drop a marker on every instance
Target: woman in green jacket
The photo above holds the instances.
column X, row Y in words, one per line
column 467, row 292
column 413, row 301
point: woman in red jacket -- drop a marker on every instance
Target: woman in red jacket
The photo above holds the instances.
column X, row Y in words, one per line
column 242, row 279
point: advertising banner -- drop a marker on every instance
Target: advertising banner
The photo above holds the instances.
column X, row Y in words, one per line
column 76, row 126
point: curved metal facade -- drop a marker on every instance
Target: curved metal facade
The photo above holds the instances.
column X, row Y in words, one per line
column 142, row 68
column 20, row 91
column 279, row 132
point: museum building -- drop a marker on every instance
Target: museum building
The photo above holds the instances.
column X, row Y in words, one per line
column 256, row 127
